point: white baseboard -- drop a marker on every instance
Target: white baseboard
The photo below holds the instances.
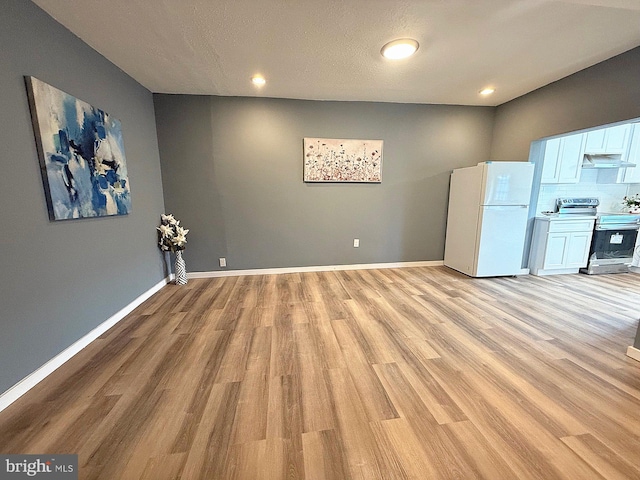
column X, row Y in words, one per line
column 320, row 268
column 31, row 380
column 634, row 353
column 554, row 271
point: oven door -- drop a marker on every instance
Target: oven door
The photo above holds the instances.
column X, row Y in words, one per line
column 613, row 245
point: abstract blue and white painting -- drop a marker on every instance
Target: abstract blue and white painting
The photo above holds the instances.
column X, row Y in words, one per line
column 81, row 152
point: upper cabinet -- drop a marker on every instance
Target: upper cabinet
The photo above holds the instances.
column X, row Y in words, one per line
column 632, row 174
column 608, row 151
column 563, row 159
column 608, row 141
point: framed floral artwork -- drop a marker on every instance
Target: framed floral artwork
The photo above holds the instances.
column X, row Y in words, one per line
column 342, row 160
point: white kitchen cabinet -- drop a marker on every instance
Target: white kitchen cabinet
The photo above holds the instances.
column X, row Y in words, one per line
column 562, row 160
column 595, row 141
column 632, row 174
column 577, row 255
column 551, row 161
column 560, row 245
column 607, row 141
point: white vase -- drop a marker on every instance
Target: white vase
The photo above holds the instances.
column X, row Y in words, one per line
column 181, row 269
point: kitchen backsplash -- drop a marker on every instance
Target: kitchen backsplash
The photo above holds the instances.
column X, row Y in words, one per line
column 610, row 195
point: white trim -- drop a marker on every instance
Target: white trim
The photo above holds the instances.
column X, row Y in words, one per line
column 554, row 271
column 320, row 268
column 634, row 353
column 31, row 380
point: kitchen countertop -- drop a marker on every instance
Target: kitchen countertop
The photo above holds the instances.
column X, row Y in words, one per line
column 554, row 217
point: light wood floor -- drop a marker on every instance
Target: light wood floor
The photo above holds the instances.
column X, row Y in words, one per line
column 415, row 373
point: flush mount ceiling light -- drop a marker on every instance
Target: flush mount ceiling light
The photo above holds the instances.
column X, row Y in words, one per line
column 487, row 91
column 401, row 48
column 258, row 80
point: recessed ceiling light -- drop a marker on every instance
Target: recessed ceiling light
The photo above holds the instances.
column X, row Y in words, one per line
column 487, row 91
column 258, row 80
column 401, row 48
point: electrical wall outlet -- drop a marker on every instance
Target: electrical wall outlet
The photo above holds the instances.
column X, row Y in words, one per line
column 356, row 242
column 223, row 262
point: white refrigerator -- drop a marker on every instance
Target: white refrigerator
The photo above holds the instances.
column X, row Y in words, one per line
column 487, row 218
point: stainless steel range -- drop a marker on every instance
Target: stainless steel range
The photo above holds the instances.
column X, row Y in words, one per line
column 577, row 206
column 613, row 243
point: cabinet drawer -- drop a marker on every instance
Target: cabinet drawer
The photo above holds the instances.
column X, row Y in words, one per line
column 572, row 226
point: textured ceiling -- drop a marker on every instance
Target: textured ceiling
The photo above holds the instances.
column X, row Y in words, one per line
column 330, row 49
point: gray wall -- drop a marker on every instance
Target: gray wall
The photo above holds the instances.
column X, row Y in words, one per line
column 605, row 93
column 61, row 279
column 232, row 171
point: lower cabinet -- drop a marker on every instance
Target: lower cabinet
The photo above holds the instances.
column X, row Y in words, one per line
column 560, row 245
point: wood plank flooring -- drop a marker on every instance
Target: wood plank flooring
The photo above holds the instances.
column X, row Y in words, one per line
column 414, row 373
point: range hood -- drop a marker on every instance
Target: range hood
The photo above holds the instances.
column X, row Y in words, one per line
column 605, row 161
